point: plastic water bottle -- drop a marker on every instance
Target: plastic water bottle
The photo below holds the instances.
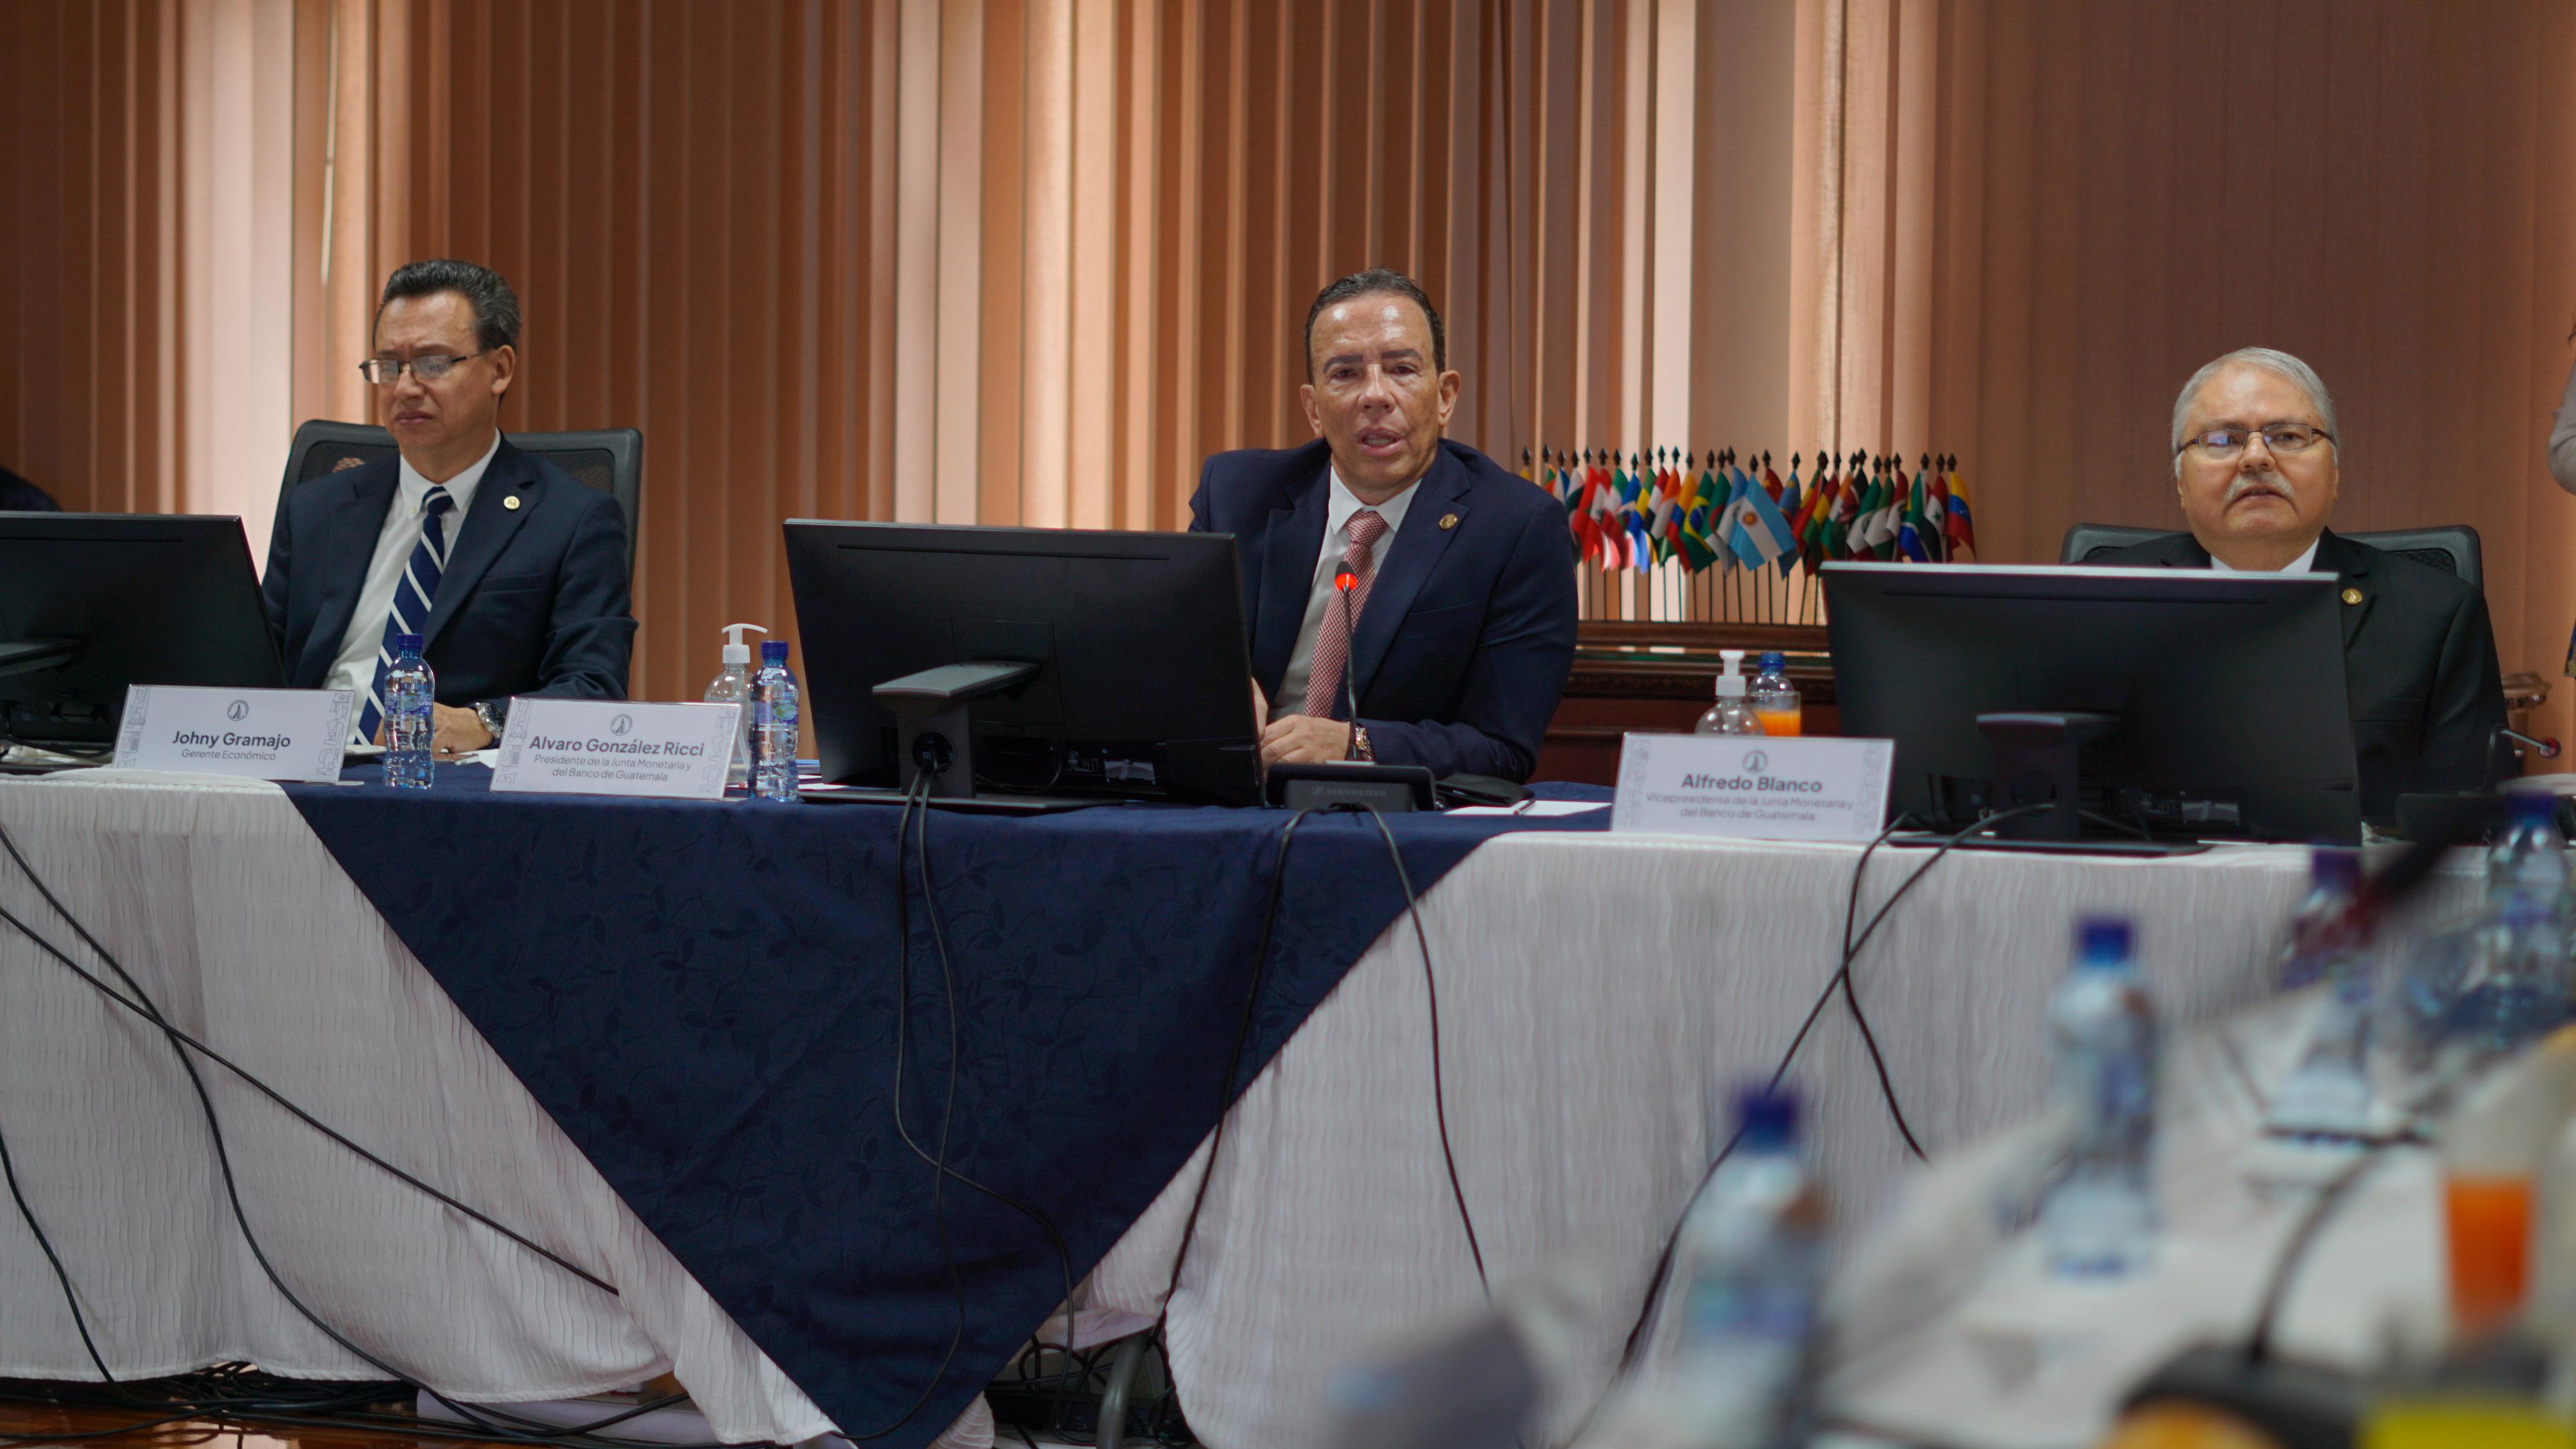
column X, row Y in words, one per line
column 773, row 725
column 1754, row 1256
column 733, row 686
column 2517, row 989
column 1776, row 703
column 2334, row 874
column 2330, row 1092
column 2099, row 1218
column 410, row 723
column 1731, row 715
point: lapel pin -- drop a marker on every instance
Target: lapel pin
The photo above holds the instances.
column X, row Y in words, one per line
column 1448, row 521
column 511, row 501
column 2352, row 596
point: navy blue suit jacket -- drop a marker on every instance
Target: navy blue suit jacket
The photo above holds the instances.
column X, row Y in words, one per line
column 1468, row 635
column 533, row 599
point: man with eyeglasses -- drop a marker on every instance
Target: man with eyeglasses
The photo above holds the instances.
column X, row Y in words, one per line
column 513, row 573
column 2256, row 465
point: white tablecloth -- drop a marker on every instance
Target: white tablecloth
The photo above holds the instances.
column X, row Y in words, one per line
column 232, row 914
column 1599, row 998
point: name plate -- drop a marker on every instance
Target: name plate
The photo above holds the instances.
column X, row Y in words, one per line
column 611, row 747
column 1753, row 787
column 261, row 734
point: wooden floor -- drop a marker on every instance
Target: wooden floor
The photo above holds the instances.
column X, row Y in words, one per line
column 23, row 1425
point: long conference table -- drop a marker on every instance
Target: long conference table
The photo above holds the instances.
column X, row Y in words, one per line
column 661, row 1039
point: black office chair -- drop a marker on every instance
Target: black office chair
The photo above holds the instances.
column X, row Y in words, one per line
column 608, row 459
column 2452, row 548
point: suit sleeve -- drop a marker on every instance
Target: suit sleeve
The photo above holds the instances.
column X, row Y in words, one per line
column 2466, row 708
column 275, row 581
column 1519, row 672
column 591, row 633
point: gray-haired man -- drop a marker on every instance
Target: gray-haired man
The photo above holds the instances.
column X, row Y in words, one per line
column 2256, row 466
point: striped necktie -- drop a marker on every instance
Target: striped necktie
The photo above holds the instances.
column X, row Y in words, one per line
column 1341, row 616
column 414, row 592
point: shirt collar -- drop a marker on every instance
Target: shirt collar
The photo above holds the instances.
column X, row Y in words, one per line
column 2304, row 563
column 1342, row 503
column 414, row 488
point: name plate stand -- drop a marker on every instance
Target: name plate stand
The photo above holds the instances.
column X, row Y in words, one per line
column 1753, row 787
column 257, row 734
column 612, row 747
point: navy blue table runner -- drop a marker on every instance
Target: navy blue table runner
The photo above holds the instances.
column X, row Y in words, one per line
column 703, row 996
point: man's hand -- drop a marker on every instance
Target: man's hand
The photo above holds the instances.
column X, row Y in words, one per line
column 1302, row 739
column 453, row 731
column 456, row 731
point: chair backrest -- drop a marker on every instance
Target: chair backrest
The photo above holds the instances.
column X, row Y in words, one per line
column 2452, row 547
column 608, row 459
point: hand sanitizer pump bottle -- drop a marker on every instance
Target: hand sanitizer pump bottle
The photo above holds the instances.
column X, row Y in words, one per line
column 733, row 686
column 1733, row 713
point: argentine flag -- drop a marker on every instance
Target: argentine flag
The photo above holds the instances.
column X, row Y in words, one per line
column 1755, row 528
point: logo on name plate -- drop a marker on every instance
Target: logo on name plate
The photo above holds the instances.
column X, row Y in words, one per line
column 1756, row 762
column 622, row 726
column 237, row 710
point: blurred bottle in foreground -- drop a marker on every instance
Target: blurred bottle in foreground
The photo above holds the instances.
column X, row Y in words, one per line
column 2099, row 1217
column 2329, row 1093
column 1751, row 1266
column 2516, row 989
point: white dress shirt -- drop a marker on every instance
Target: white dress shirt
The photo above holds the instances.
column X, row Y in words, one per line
column 1340, row 504
column 2302, row 564
column 355, row 669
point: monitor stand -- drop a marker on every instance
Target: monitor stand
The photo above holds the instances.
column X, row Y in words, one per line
column 2036, row 764
column 935, row 739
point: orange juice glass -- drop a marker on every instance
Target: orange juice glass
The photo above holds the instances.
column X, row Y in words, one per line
column 1782, row 722
column 2489, row 1222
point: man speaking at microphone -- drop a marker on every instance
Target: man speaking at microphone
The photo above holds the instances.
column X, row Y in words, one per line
column 1385, row 565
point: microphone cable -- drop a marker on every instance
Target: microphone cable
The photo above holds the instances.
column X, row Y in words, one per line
column 1634, row 1350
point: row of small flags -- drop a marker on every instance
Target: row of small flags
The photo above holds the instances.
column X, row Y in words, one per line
column 1739, row 512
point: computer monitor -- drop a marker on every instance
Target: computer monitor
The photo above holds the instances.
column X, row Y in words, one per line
column 1142, row 676
column 2225, row 691
column 93, row 602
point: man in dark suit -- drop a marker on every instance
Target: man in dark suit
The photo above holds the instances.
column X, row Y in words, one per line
column 1456, row 631
column 2257, row 467
column 512, row 573
column 17, row 495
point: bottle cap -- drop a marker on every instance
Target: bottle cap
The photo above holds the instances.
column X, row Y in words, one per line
column 2332, row 865
column 2531, row 807
column 1773, row 661
column 736, row 651
column 773, row 651
column 406, row 643
column 2104, row 941
column 1768, row 1116
column 1730, row 680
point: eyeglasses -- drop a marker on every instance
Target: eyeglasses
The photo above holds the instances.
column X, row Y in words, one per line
column 386, row 371
column 2224, row 443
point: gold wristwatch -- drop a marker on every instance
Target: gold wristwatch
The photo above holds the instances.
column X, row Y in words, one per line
column 1360, row 743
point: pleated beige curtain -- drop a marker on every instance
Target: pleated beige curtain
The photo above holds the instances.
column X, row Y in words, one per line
column 1028, row 261
column 2041, row 217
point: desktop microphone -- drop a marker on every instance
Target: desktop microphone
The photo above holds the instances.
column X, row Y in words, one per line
column 1345, row 581
column 2547, row 747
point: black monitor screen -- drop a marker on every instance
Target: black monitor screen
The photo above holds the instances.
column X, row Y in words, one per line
column 1143, row 672
column 2229, row 688
column 140, row 599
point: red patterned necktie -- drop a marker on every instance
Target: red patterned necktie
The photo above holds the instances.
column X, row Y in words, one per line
column 1333, row 643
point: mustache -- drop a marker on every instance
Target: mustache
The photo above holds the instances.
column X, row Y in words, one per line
column 2245, row 483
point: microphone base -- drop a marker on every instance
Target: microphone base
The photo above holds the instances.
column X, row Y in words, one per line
column 1351, row 785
